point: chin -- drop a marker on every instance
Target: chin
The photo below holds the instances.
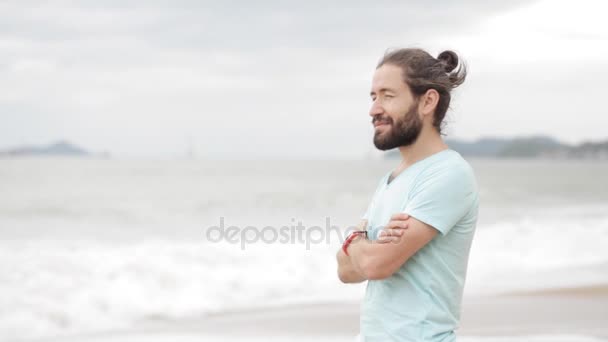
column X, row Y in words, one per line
column 382, row 146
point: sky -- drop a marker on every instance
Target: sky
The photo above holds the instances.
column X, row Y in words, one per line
column 256, row 79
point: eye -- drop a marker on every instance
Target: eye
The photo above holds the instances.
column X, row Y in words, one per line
column 389, row 96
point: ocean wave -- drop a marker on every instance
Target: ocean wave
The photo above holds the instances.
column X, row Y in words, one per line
column 62, row 286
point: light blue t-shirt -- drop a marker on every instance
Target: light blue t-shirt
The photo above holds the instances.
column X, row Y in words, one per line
column 421, row 301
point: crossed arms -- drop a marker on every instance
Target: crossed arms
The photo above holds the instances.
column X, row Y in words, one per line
column 402, row 237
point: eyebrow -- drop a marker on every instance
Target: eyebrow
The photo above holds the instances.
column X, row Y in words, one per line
column 382, row 90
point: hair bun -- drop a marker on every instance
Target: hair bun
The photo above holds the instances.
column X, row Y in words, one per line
column 449, row 60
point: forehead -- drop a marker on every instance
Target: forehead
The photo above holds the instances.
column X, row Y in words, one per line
column 388, row 77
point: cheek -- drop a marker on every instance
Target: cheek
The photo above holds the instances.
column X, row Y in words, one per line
column 395, row 108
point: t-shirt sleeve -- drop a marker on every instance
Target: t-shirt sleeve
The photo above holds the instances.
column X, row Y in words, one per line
column 441, row 198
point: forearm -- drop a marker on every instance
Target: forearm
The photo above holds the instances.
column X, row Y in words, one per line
column 369, row 259
column 347, row 272
column 376, row 260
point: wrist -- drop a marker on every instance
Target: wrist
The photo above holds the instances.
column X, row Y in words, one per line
column 351, row 238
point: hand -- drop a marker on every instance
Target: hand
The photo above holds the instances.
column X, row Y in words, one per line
column 394, row 229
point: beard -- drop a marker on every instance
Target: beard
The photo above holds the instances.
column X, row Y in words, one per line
column 402, row 132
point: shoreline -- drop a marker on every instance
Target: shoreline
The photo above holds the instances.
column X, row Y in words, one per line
column 599, row 290
column 565, row 310
column 577, row 312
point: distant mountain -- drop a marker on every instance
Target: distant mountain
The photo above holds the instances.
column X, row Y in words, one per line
column 487, row 147
column 587, row 150
column 59, row 148
column 530, row 147
column 525, row 147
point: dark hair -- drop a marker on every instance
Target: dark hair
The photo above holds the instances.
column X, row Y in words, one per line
column 422, row 72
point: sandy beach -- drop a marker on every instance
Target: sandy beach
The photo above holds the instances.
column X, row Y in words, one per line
column 568, row 314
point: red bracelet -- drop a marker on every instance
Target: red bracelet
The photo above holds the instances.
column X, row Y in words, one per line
column 350, row 239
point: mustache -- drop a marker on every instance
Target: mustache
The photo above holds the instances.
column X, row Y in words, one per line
column 382, row 119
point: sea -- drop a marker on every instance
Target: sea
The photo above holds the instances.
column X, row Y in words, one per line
column 99, row 244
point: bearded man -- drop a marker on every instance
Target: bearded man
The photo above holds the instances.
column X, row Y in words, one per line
column 414, row 241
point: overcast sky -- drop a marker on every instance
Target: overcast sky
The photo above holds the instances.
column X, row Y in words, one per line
column 249, row 79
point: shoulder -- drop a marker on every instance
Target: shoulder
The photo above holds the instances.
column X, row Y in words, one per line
column 451, row 170
column 451, row 165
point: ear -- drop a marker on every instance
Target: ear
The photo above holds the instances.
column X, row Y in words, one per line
column 428, row 102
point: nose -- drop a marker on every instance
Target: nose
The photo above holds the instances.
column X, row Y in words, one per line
column 376, row 109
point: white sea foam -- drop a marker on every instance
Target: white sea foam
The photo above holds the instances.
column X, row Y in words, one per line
column 58, row 287
column 61, row 286
column 532, row 252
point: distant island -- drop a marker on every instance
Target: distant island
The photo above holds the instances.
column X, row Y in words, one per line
column 525, row 147
column 59, row 148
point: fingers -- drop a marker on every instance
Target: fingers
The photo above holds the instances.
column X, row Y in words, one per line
column 397, row 225
column 389, row 235
column 391, row 232
column 400, row 216
column 388, row 239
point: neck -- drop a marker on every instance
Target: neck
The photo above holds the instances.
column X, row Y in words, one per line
column 428, row 143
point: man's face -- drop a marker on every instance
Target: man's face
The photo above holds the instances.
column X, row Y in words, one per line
column 394, row 110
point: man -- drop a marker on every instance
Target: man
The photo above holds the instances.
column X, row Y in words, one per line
column 420, row 223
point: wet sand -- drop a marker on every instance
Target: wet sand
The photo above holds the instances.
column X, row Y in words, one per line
column 567, row 314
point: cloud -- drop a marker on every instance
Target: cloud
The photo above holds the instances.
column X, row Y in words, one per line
column 241, row 78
